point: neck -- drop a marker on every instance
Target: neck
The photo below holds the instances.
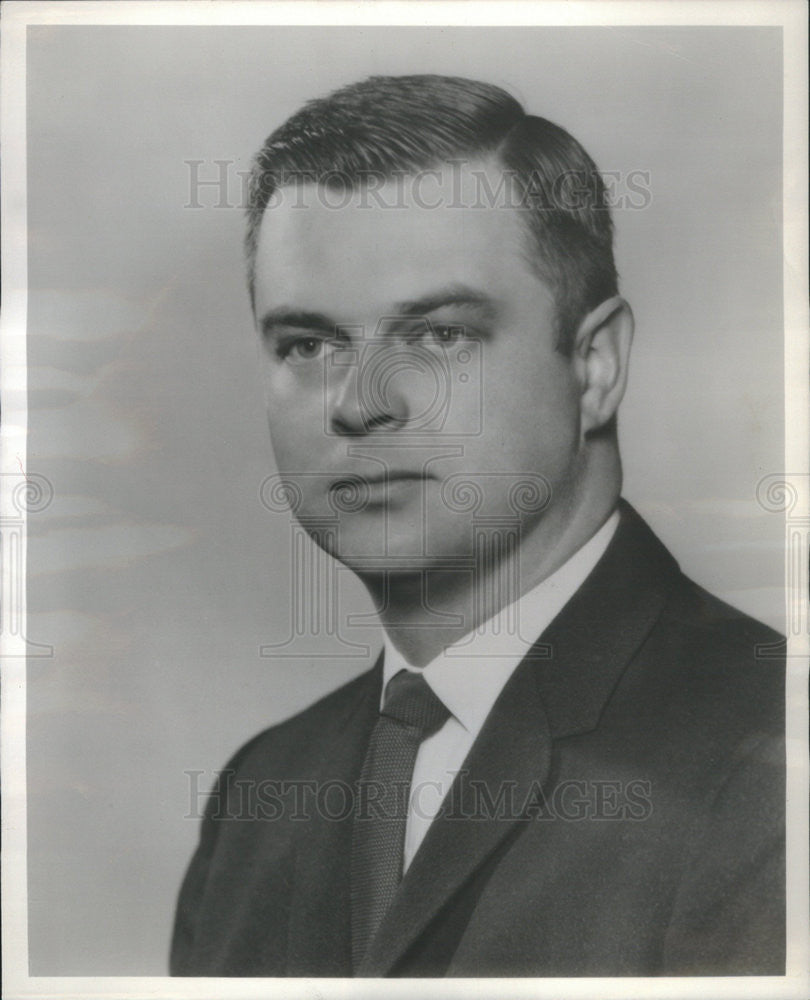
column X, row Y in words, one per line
column 426, row 611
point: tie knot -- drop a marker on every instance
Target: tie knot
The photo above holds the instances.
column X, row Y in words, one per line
column 409, row 699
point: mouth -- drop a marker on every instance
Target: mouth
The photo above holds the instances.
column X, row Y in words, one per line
column 396, row 477
column 378, row 487
column 357, row 481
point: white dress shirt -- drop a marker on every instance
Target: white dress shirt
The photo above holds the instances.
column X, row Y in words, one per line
column 469, row 675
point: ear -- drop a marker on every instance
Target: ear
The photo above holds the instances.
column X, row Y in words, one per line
column 601, row 358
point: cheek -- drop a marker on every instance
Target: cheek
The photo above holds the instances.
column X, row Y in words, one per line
column 283, row 445
column 291, row 436
column 295, row 419
column 536, row 410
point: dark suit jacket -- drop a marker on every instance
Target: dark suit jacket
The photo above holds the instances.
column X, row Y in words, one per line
column 621, row 813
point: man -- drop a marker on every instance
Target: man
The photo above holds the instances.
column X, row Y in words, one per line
column 568, row 759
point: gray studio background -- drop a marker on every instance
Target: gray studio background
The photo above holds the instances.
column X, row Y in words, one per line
column 156, row 573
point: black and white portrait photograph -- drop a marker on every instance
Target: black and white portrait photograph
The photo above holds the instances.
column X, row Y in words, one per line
column 405, row 499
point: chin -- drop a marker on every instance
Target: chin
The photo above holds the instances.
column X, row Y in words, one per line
column 370, row 541
column 404, row 558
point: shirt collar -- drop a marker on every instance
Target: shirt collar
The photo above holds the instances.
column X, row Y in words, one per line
column 469, row 675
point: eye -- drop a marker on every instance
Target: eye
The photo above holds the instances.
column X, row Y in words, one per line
column 447, row 333
column 298, row 350
column 307, row 347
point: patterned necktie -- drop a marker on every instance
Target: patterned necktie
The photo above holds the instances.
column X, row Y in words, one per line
column 411, row 712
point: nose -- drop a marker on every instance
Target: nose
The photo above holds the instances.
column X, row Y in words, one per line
column 365, row 397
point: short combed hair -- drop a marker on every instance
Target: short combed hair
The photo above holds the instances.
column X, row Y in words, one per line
column 390, row 125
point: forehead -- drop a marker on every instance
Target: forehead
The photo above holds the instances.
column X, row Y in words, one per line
column 351, row 252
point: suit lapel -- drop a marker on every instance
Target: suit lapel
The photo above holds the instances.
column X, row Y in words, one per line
column 592, row 640
column 559, row 689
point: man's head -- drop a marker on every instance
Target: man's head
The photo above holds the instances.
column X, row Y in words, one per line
column 432, row 274
column 387, row 127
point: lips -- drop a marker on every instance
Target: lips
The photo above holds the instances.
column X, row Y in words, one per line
column 355, row 493
column 395, row 477
column 357, row 481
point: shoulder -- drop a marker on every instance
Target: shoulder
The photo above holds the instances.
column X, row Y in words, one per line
column 701, row 651
column 695, row 608
column 299, row 741
column 727, row 659
column 707, row 692
column 725, row 676
column 703, row 694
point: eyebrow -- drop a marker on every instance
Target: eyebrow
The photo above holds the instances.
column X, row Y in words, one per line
column 297, row 319
column 450, row 295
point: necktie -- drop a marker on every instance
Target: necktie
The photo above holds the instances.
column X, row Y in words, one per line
column 411, row 712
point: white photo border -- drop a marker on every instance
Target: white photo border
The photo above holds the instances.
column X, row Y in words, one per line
column 16, row 17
